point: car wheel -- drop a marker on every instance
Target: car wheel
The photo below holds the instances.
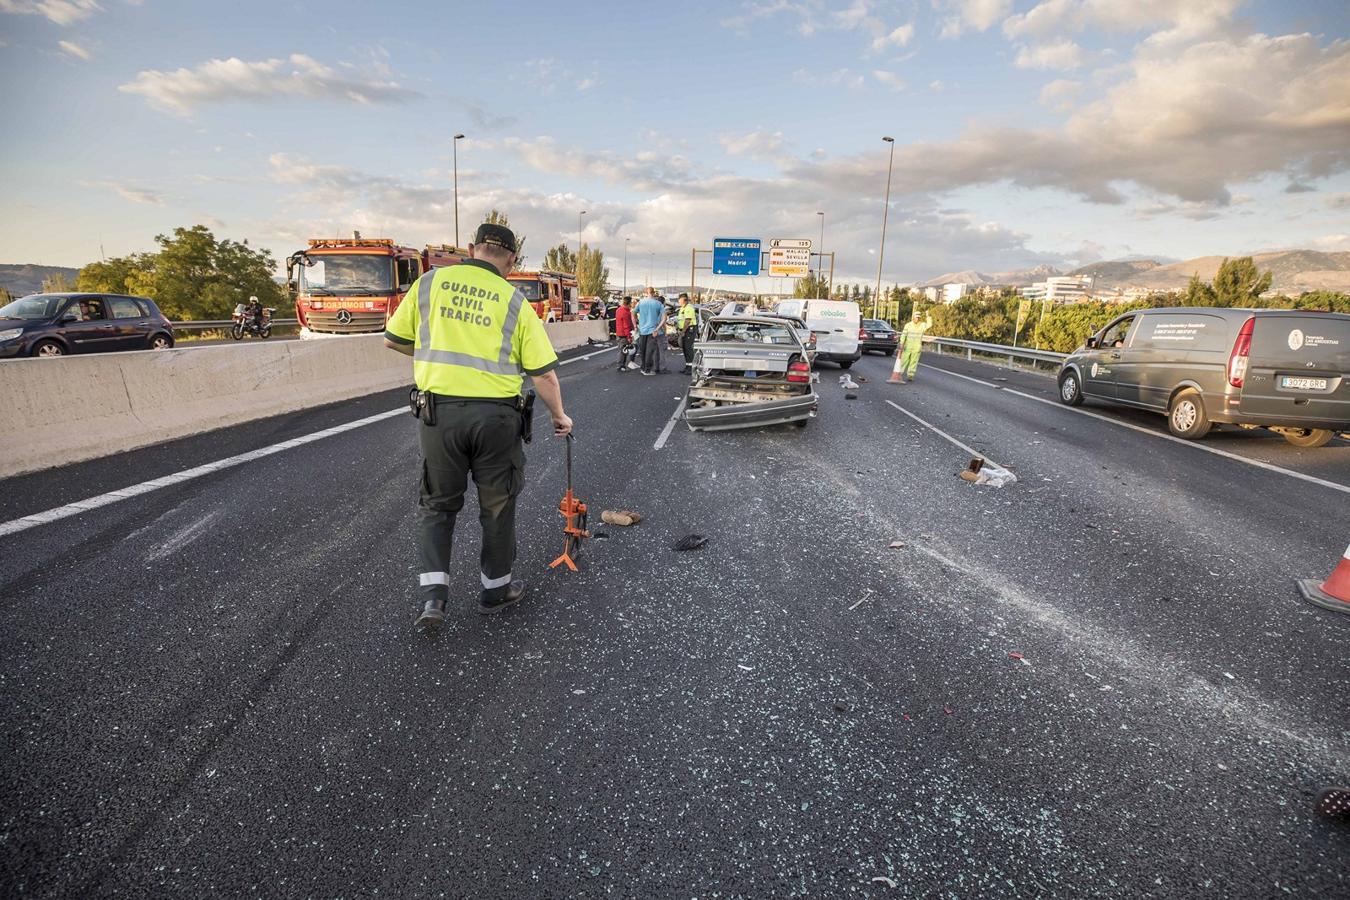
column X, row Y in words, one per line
column 1187, row 418
column 846, row 364
column 890, row 352
column 1309, row 437
column 48, row 349
column 160, row 342
column 801, row 423
column 1070, row 391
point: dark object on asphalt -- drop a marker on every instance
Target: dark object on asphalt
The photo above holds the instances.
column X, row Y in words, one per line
column 60, row 324
column 896, row 545
column 850, row 396
column 749, row 371
column 1281, row 369
column 1334, row 802
column 600, row 535
column 690, row 542
column 976, row 464
column 574, row 521
column 839, row 707
column 510, row 597
column 433, row 615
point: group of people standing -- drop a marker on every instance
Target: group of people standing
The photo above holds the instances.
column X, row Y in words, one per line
column 641, row 330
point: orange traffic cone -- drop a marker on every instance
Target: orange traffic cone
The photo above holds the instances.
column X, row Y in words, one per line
column 1334, row 593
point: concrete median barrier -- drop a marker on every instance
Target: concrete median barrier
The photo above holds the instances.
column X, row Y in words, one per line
column 65, row 410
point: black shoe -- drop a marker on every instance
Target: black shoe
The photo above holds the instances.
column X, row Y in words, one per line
column 433, row 615
column 509, row 597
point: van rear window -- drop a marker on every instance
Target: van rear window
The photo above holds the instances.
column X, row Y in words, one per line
column 1180, row 331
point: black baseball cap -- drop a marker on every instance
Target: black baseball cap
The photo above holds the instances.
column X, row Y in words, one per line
column 495, row 234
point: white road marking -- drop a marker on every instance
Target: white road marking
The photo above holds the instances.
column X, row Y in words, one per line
column 587, row 356
column 670, row 425
column 1195, row 445
column 938, row 431
column 70, row 509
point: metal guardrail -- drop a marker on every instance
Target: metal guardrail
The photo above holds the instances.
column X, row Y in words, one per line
column 1012, row 353
column 207, row 325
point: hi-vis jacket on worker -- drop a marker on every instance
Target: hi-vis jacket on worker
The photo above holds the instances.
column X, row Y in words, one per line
column 473, row 334
column 911, row 345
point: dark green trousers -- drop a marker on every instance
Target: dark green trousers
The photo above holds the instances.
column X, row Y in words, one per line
column 482, row 438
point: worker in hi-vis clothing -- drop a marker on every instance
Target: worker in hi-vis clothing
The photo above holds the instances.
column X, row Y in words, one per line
column 911, row 345
column 472, row 338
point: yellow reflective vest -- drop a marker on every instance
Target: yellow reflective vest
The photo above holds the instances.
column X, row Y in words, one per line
column 472, row 333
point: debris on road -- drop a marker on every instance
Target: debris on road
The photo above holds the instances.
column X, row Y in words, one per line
column 840, row 707
column 601, row 535
column 896, row 545
column 989, row 474
column 850, row 396
column 622, row 517
column 1015, row 654
column 865, row 596
column 690, row 542
column 889, row 882
column 744, row 667
column 947, row 710
column 848, row 383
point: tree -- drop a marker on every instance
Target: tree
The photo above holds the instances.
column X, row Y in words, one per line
column 592, row 274
column 560, row 259
column 58, row 283
column 1198, row 293
column 497, row 217
column 193, row 276
column 112, row 276
column 1239, row 283
column 810, row 286
column 5, row 296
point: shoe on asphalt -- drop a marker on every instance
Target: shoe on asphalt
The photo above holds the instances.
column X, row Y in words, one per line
column 1334, row 802
column 509, row 597
column 645, row 372
column 433, row 615
column 896, row 378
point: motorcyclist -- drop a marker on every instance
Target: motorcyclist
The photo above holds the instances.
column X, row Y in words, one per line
column 254, row 310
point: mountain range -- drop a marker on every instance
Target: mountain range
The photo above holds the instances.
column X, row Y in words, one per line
column 27, row 278
column 1292, row 271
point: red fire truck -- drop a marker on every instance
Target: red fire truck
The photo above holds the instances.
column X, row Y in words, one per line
column 554, row 295
column 353, row 285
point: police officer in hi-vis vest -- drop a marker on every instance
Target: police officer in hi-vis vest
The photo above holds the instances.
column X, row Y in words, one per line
column 472, row 337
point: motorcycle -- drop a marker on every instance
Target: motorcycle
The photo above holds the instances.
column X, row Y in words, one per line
column 244, row 323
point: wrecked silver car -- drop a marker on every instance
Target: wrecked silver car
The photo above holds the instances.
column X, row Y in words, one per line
column 749, row 371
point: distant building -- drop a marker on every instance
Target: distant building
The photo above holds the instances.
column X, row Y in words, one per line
column 954, row 291
column 1059, row 289
column 931, row 293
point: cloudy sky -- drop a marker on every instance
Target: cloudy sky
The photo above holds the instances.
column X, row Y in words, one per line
column 1060, row 132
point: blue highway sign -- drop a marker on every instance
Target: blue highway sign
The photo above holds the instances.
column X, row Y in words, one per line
column 735, row 256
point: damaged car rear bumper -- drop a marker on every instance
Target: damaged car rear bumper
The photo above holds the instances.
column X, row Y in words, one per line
column 752, row 414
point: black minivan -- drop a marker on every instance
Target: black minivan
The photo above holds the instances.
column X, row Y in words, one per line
column 1286, row 370
column 57, row 324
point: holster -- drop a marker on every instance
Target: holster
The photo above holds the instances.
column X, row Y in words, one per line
column 525, row 404
column 423, row 406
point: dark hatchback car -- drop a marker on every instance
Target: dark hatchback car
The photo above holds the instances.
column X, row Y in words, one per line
column 878, row 336
column 58, row 324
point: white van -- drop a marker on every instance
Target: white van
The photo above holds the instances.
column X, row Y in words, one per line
column 836, row 325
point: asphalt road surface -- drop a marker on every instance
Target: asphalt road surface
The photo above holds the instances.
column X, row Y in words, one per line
column 1098, row 681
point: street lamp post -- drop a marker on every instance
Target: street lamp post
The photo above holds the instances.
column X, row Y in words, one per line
column 455, row 150
column 881, row 251
column 820, row 256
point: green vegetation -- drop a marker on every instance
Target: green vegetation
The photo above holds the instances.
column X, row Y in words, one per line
column 560, row 259
column 497, row 217
column 592, row 274
column 193, row 276
column 989, row 317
